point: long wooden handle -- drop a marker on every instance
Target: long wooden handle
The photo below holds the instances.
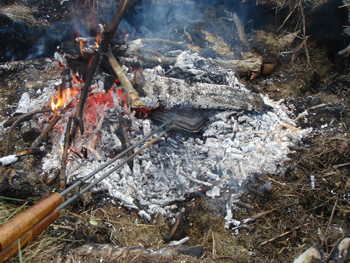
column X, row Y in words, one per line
column 12, row 249
column 24, row 221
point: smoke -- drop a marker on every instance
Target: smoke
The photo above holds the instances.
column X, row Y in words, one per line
column 156, row 20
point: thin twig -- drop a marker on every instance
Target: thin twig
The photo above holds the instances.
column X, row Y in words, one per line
column 304, row 33
column 329, row 222
column 132, row 224
column 282, row 235
column 341, row 165
column 285, row 20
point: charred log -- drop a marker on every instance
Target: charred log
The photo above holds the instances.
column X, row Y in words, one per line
column 156, row 90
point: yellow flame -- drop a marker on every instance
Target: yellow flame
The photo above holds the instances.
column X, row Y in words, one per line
column 55, row 106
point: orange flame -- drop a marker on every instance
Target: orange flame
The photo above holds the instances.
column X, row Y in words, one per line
column 63, row 97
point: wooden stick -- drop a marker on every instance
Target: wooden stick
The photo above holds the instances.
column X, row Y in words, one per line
column 133, row 96
column 23, row 117
column 65, row 154
column 57, row 117
column 284, row 234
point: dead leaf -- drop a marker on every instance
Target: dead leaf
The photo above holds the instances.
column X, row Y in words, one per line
column 342, row 148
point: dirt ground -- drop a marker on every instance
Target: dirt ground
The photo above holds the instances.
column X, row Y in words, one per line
column 306, row 204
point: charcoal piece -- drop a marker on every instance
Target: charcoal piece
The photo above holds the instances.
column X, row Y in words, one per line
column 155, row 90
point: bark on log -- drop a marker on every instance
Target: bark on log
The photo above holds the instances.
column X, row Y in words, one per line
column 155, row 90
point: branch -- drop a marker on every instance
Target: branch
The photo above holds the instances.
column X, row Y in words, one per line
column 133, row 96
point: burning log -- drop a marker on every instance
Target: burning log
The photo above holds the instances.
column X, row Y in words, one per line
column 133, row 97
column 44, row 133
column 157, row 90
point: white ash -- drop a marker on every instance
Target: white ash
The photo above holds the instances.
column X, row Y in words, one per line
column 23, row 104
column 234, row 146
column 6, row 160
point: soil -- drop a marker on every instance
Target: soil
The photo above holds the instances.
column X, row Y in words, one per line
column 286, row 202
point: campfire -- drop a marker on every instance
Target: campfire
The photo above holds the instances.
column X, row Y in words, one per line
column 242, row 133
column 155, row 122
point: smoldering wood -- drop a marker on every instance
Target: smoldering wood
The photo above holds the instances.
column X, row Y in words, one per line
column 167, row 253
column 155, row 41
column 155, row 90
column 147, row 61
column 52, row 176
column 107, row 35
column 122, row 134
column 30, row 130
